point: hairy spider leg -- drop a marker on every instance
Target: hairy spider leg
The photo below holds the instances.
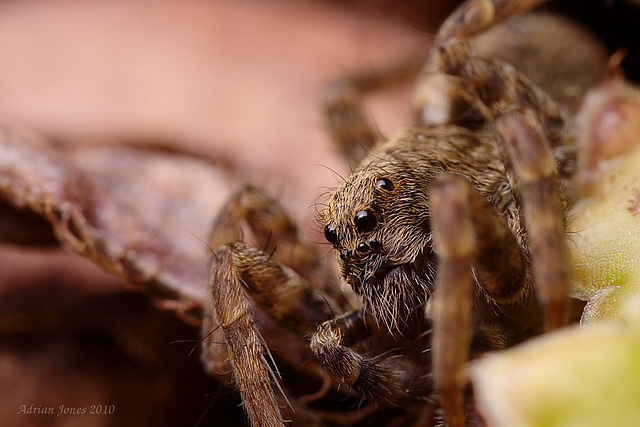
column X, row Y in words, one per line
column 346, row 119
column 245, row 280
column 475, row 16
column 468, row 233
column 531, row 130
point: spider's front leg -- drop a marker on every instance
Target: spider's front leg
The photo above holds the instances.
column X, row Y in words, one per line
column 245, row 279
column 475, row 16
column 456, row 206
column 544, row 209
column 531, row 130
column 230, row 308
column 467, row 233
column 438, row 98
column 345, row 115
column 555, row 53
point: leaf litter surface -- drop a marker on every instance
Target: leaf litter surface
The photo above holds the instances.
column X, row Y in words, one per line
column 141, row 214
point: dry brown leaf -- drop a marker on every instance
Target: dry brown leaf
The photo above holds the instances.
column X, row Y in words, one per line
column 137, row 213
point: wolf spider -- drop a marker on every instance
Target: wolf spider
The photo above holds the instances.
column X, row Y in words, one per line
column 451, row 232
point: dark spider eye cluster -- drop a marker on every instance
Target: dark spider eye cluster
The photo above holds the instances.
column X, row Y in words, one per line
column 365, row 220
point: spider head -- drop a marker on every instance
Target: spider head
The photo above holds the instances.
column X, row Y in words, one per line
column 378, row 224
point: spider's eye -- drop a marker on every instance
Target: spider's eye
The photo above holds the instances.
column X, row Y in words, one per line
column 365, row 220
column 330, row 234
column 374, row 244
column 384, row 184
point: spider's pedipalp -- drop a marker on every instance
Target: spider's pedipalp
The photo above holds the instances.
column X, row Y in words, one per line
column 381, row 379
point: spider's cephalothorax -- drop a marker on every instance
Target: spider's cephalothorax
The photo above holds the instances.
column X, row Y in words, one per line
column 381, row 236
column 378, row 219
column 451, row 232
